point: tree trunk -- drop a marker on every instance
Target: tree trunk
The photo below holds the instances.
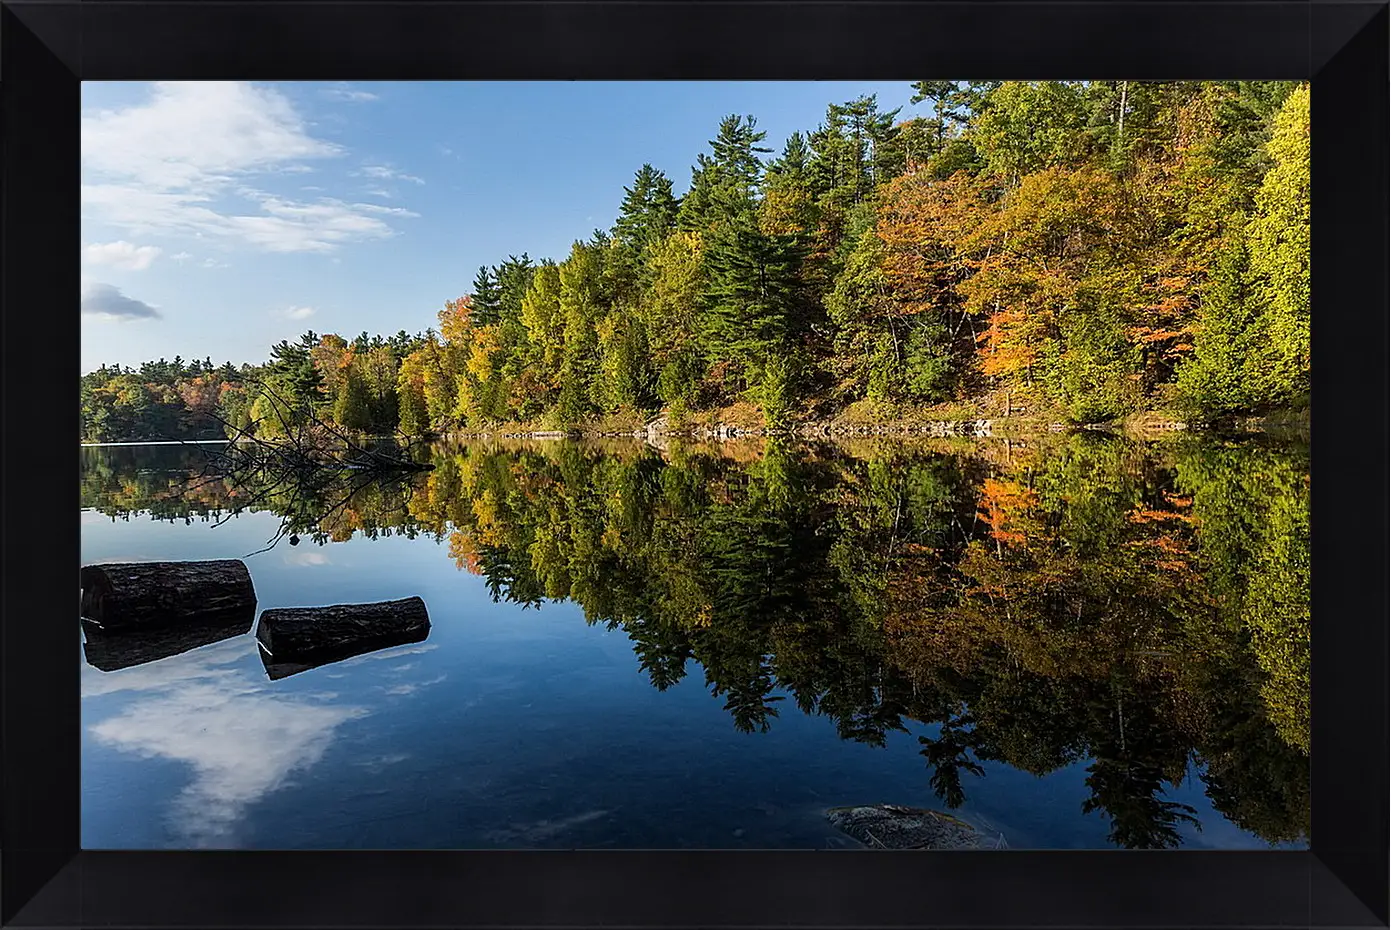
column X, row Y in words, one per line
column 110, row 651
column 1120, row 131
column 127, row 595
column 296, row 638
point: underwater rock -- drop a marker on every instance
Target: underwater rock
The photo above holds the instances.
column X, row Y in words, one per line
column 889, row 826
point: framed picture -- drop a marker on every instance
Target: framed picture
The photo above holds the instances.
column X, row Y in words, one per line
column 679, row 464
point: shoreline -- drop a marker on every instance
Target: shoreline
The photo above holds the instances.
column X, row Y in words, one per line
column 1150, row 427
column 1143, row 425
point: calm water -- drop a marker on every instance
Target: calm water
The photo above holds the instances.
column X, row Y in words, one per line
column 1076, row 642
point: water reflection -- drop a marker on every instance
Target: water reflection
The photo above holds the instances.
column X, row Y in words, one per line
column 1139, row 611
column 241, row 741
column 111, row 650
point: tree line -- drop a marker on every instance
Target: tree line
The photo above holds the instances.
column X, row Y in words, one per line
column 1089, row 248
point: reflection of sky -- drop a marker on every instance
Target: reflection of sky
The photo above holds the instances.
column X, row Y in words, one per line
column 504, row 728
column 241, row 744
column 213, row 710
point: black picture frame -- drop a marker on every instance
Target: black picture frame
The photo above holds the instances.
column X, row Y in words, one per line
column 48, row 46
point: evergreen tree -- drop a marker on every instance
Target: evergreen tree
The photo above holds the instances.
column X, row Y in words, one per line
column 513, row 280
column 292, row 374
column 725, row 184
column 752, row 293
column 486, row 297
column 648, row 211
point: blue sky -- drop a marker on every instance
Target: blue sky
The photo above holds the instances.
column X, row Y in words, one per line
column 219, row 218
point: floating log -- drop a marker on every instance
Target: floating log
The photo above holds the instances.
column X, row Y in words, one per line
column 111, row 650
column 123, row 595
column 296, row 639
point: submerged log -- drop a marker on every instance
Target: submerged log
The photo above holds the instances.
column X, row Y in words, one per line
column 295, row 639
column 125, row 595
column 111, row 650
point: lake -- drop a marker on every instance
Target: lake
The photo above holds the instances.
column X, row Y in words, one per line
column 1071, row 641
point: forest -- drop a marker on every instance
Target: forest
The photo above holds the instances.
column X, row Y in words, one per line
column 1086, row 599
column 1083, row 250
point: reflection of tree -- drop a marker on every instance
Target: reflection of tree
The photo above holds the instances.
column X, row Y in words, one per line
column 1091, row 602
column 1135, row 753
column 948, row 755
column 168, row 483
column 1252, row 509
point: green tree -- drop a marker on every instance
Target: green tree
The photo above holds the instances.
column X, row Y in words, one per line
column 1219, row 380
column 1030, row 125
column 487, row 297
column 751, row 294
column 725, row 184
column 648, row 212
column 352, row 410
column 1279, row 245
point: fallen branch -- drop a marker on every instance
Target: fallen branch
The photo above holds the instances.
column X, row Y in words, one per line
column 310, row 461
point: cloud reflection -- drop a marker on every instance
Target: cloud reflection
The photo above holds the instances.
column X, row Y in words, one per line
column 242, row 739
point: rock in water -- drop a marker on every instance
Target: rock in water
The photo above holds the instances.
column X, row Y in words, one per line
column 295, row 639
column 889, row 826
column 124, row 595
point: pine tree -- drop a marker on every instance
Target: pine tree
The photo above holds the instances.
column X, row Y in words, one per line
column 696, row 212
column 725, row 185
column 513, row 279
column 751, row 296
column 293, row 375
column 648, row 211
column 789, row 201
column 487, row 297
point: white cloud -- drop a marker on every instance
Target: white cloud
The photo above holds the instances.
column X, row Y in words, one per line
column 121, row 254
column 378, row 192
column 299, row 313
column 181, row 257
column 177, row 165
column 387, row 211
column 191, row 135
column 107, row 302
column 345, row 91
column 388, row 173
